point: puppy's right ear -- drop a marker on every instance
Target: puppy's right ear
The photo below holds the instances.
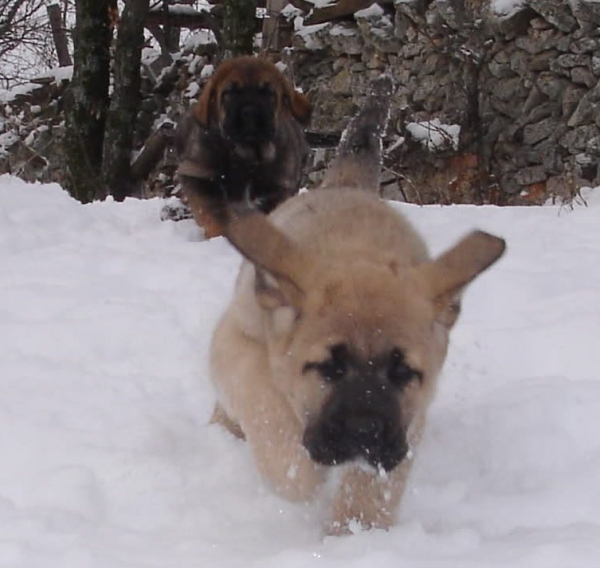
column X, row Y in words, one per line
column 280, row 265
column 447, row 276
column 300, row 106
column 207, row 103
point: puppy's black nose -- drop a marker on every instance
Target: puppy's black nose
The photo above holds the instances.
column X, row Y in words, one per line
column 250, row 117
column 366, row 428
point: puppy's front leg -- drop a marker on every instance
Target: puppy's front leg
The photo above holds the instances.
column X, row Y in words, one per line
column 275, row 437
column 203, row 197
column 367, row 498
column 269, row 424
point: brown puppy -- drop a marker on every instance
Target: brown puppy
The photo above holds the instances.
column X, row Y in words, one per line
column 328, row 356
column 242, row 142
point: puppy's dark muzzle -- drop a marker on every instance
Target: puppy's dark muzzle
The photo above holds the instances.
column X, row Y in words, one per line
column 339, row 439
column 251, row 124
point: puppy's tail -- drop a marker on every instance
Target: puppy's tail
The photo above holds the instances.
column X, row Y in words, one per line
column 357, row 163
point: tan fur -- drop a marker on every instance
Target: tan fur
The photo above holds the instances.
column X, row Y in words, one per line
column 334, row 268
column 341, row 266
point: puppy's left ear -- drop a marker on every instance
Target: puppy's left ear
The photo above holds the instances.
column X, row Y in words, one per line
column 447, row 276
column 206, row 105
column 299, row 106
column 280, row 265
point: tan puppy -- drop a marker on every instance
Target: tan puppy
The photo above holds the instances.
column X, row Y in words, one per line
column 330, row 350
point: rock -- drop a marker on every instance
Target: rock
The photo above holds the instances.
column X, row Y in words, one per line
column 551, row 85
column 519, row 63
column 500, row 70
column 583, row 76
column 449, row 14
column 572, row 95
column 533, row 133
column 556, row 13
column 575, row 140
column 426, row 87
column 509, row 184
column 311, row 38
column 341, row 83
column 432, row 63
column 528, row 176
column 593, row 146
column 568, row 60
column 346, row 39
column 542, row 40
column 377, row 29
column 541, row 61
column 585, row 112
column 509, row 89
column 585, row 45
column 587, row 13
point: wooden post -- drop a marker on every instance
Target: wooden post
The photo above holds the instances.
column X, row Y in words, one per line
column 152, row 151
column 274, row 36
column 239, row 27
column 59, row 35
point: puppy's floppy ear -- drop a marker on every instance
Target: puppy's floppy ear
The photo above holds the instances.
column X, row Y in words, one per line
column 206, row 105
column 280, row 264
column 445, row 277
column 300, row 106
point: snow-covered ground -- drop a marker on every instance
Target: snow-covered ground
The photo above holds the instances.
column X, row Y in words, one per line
column 106, row 459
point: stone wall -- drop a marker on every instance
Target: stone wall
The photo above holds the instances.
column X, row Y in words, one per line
column 488, row 108
column 523, row 87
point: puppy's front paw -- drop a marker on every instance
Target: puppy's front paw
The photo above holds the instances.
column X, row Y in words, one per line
column 343, row 528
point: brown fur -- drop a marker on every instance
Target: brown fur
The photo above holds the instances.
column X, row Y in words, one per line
column 245, row 71
column 335, row 267
column 218, row 169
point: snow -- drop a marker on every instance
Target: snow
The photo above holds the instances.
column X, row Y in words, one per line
column 184, row 9
column 310, row 35
column 7, row 140
column 339, row 30
column 207, row 71
column 192, row 90
column 198, row 38
column 106, row 314
column 290, row 12
column 58, row 74
column 9, row 95
column 507, row 8
column 373, row 11
column 150, row 55
column 321, row 3
column 433, row 134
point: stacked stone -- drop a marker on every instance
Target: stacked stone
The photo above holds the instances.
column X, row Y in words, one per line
column 523, row 87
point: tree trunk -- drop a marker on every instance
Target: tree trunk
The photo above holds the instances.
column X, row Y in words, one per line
column 59, row 35
column 125, row 100
column 86, row 100
column 172, row 33
column 276, row 31
column 239, row 27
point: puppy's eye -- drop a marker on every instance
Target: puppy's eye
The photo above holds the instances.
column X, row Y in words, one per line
column 230, row 90
column 266, row 90
column 333, row 369
column 398, row 372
